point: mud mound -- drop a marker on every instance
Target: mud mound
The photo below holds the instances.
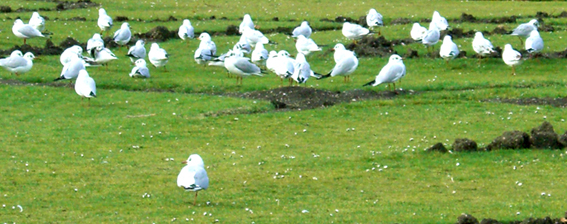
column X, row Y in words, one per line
column 159, row 34
column 232, row 30
column 544, row 137
column 308, row 98
column 438, row 147
column 469, row 219
column 372, row 46
column 400, row 21
column 48, row 49
column 81, row 4
column 5, row 9
column 556, row 102
column 510, row 140
column 464, row 144
column 70, row 42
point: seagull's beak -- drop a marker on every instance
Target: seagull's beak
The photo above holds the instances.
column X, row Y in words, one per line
column 184, row 161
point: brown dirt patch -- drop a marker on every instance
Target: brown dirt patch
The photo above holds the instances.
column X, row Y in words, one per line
column 555, row 102
column 298, row 98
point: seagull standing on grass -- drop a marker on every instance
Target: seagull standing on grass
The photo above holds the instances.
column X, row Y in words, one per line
column 207, row 49
column 431, row 37
column 85, row 85
column 243, row 45
column 122, row 36
column 284, row 66
column 70, row 53
column 240, row 66
column 37, row 22
column 18, row 64
column 525, row 29
column 193, row 176
column 104, row 21
column 303, row 29
column 103, row 55
column 93, row 43
column 25, row 31
column 158, row 56
column 306, row 45
column 482, row 46
column 186, row 31
column 254, row 36
column 71, row 69
column 418, row 32
column 511, row 57
column 439, row 21
column 449, row 50
column 534, row 43
column 354, row 31
column 260, row 54
column 140, row 70
column 374, row 19
column 302, row 70
column 137, row 51
column 246, row 22
column 390, row 73
column 346, row 63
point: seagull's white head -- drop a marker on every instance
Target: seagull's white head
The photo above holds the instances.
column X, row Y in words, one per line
column 259, row 45
column 195, row 160
column 534, row 22
column 101, row 11
column 436, row 14
column 300, row 58
column 373, row 11
column 339, row 47
column 447, row 38
column 186, row 22
column 29, row 55
column 140, row 43
column 83, row 73
column 125, row 26
column 534, row 33
column 97, row 36
column 508, row 47
column 395, row 58
column 247, row 17
column 204, row 37
column 283, row 53
column 478, row 35
column 140, row 63
column 35, row 15
column 16, row 53
column 18, row 22
column 273, row 54
column 77, row 49
column 305, row 23
column 155, row 46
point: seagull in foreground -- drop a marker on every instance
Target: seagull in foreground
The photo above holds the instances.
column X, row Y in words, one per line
column 303, row 29
column 122, row 36
column 373, row 18
column 158, row 56
column 70, row 53
column 186, row 30
column 418, row 32
column 193, row 176
column 439, row 21
column 240, row 66
column 137, row 51
column 104, row 21
column 354, row 31
column 524, row 29
column 246, row 22
column 346, row 63
column 390, row 73
column 37, row 22
column 302, row 70
column 18, row 64
column 534, row 43
column 481, row 45
column 85, row 85
column 511, row 57
column 140, row 70
column 306, row 45
column 25, row 31
column 93, row 43
column 449, row 50
column 259, row 55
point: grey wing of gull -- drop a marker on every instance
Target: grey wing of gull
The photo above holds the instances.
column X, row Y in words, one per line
column 138, row 52
column 30, row 31
column 14, row 62
column 246, row 66
column 399, row 70
column 522, row 30
column 143, row 71
column 343, row 66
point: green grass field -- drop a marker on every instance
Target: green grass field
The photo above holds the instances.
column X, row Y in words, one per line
column 116, row 159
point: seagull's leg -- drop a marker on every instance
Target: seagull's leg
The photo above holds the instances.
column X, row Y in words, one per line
column 344, row 79
column 395, row 90
column 195, row 202
column 521, row 41
column 513, row 70
column 25, row 41
column 447, row 63
column 165, row 68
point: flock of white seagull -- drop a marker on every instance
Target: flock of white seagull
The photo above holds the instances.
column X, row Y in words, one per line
column 193, row 176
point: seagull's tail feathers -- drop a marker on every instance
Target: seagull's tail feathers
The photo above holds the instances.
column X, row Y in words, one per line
column 92, row 94
column 325, row 76
column 371, row 83
column 59, row 78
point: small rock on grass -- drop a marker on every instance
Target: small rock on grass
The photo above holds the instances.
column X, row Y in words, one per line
column 464, row 144
column 510, row 140
column 544, row 137
column 438, row 147
column 467, row 219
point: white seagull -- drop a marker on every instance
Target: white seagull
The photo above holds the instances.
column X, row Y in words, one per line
column 418, row 32
column 284, row 66
column 206, row 51
column 18, row 64
column 306, row 45
column 25, row 31
column 37, row 22
column 390, row 73
column 158, row 56
column 137, row 51
column 481, row 45
column 85, row 85
column 260, row 54
column 302, row 70
column 511, row 57
column 534, row 43
column 431, row 37
column 346, row 63
column 449, row 50
column 243, row 45
column 303, row 29
column 373, row 18
column 186, row 30
column 71, row 69
column 93, row 43
column 122, row 36
column 524, row 29
column 193, row 176
column 246, row 22
column 104, row 21
column 207, row 42
column 140, row 70
column 240, row 66
column 272, row 61
column 103, row 55
column 439, row 21
column 254, row 36
column 70, row 53
column 354, row 31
